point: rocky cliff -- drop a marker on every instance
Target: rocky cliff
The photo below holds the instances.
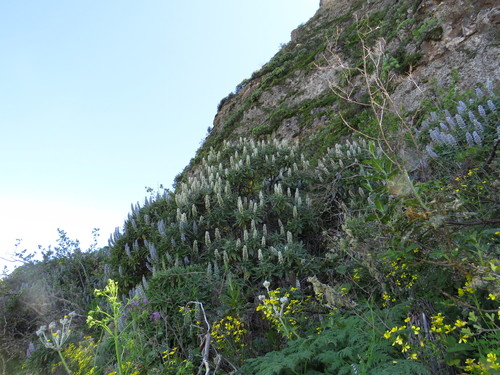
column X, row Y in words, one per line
column 367, row 171
column 421, row 47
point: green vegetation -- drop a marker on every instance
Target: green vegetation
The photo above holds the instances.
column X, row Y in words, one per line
column 370, row 246
column 397, row 23
column 305, row 268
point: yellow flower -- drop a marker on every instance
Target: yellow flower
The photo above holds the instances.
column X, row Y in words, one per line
column 387, row 334
column 460, row 323
column 491, row 357
column 169, row 353
column 405, row 348
column 386, row 297
column 463, row 339
column 399, row 341
column 449, row 328
column 492, row 296
column 438, row 319
column 413, row 356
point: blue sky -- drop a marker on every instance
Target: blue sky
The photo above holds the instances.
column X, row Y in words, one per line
column 99, row 99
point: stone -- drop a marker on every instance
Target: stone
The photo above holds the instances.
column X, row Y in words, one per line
column 463, row 39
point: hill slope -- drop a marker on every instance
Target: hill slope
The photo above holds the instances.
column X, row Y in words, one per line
column 421, row 45
column 341, row 217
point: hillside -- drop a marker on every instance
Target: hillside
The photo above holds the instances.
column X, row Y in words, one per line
column 342, row 217
column 420, row 46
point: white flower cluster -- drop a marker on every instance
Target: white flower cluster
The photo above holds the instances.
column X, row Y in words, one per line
column 341, row 156
column 54, row 338
column 195, row 214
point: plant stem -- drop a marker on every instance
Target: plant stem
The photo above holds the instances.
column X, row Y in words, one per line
column 117, row 344
column 64, row 362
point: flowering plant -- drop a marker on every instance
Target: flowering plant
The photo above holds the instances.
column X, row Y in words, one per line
column 56, row 338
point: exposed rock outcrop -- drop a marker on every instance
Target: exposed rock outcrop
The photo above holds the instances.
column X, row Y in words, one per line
column 429, row 43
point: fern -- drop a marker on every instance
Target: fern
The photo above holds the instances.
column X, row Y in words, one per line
column 346, row 346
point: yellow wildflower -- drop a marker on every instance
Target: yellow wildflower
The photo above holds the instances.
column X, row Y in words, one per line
column 491, row 357
column 449, row 328
column 463, row 339
column 399, row 341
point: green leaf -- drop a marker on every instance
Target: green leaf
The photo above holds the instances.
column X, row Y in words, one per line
column 459, row 348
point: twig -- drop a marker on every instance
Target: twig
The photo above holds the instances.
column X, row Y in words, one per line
column 483, row 222
column 356, row 130
column 465, row 303
column 4, row 365
column 207, row 339
column 493, row 152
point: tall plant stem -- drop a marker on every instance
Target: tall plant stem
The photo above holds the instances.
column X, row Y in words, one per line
column 117, row 344
column 63, row 361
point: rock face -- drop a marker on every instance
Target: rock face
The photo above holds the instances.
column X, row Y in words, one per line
column 465, row 44
column 326, row 3
column 421, row 46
